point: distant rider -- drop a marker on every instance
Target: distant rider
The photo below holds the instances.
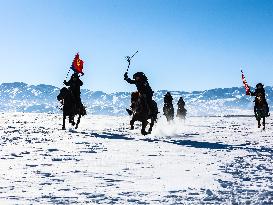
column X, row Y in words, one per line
column 259, row 91
column 181, row 110
column 168, row 99
column 181, row 103
column 168, row 109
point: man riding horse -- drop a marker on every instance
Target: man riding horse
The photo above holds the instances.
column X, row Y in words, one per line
column 74, row 86
column 168, row 109
column 71, row 100
column 143, row 87
column 143, row 107
column 181, row 110
column 261, row 108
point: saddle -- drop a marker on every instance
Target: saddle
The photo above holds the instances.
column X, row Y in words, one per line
column 261, row 105
column 138, row 103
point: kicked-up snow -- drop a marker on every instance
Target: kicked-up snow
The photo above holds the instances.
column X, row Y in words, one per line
column 203, row 160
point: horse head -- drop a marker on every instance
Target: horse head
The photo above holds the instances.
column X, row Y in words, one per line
column 63, row 93
column 134, row 100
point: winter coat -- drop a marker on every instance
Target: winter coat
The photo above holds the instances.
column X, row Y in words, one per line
column 143, row 87
column 74, row 86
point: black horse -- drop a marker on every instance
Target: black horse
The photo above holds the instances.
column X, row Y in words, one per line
column 181, row 113
column 168, row 111
column 260, row 110
column 69, row 107
column 142, row 113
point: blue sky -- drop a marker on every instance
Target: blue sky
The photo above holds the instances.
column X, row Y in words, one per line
column 183, row 44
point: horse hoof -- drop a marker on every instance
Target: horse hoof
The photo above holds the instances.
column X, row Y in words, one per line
column 144, row 132
column 132, row 127
column 63, row 128
column 73, row 123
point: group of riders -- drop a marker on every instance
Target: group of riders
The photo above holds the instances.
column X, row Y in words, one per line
column 168, row 109
column 143, row 107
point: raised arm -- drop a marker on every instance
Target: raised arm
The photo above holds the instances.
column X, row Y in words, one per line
column 129, row 80
column 67, row 83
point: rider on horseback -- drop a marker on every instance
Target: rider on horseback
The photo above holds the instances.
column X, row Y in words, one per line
column 168, row 99
column 168, row 106
column 143, row 87
column 181, row 103
column 181, row 110
column 260, row 93
column 74, row 86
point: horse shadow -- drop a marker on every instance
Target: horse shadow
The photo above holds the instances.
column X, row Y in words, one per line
column 182, row 142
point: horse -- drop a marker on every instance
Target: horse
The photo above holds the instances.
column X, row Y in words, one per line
column 181, row 113
column 168, row 111
column 260, row 110
column 69, row 107
column 141, row 112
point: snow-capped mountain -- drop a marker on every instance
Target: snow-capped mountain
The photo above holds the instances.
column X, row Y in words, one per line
column 21, row 97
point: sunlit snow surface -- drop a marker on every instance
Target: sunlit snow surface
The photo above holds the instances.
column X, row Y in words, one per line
column 216, row 160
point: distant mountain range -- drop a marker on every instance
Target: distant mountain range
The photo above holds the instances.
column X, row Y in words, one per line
column 21, row 97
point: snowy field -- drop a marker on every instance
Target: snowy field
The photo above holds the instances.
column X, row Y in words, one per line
column 216, row 160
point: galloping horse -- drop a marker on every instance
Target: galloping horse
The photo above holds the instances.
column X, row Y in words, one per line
column 69, row 107
column 141, row 112
column 181, row 113
column 260, row 110
column 168, row 111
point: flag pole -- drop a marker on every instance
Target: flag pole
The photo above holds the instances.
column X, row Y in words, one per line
column 128, row 58
column 247, row 88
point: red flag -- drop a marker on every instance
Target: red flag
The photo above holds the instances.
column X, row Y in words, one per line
column 245, row 84
column 77, row 64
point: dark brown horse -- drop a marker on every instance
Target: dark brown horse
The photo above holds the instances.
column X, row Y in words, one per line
column 168, row 111
column 260, row 110
column 142, row 113
column 181, row 113
column 69, row 107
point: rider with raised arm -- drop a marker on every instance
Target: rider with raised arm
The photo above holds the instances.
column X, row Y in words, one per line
column 143, row 87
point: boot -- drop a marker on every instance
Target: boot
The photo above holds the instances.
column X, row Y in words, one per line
column 130, row 112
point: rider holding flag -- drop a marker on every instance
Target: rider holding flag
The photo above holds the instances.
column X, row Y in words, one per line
column 75, row 83
column 260, row 92
column 74, row 86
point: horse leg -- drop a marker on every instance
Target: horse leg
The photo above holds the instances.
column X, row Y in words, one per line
column 151, row 125
column 263, row 123
column 259, row 122
column 63, row 122
column 144, row 124
column 71, row 119
column 132, row 123
column 78, row 121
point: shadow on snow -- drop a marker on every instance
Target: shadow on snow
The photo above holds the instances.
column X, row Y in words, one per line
column 187, row 143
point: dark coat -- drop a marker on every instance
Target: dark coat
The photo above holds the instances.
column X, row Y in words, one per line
column 74, row 86
column 168, row 98
column 181, row 103
column 143, row 87
column 260, row 92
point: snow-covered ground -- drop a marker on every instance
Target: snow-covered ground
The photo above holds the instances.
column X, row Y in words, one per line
column 204, row 160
